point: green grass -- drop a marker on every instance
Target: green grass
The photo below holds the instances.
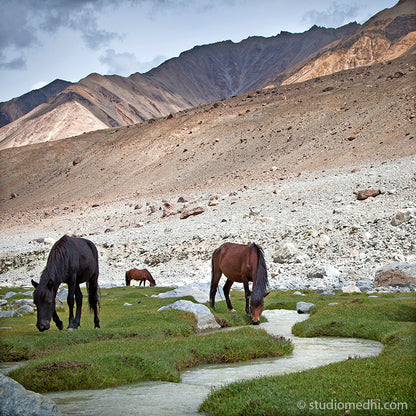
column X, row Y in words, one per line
column 135, row 343
column 388, row 379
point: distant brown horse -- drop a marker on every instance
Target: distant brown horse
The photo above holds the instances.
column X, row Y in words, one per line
column 140, row 275
column 241, row 263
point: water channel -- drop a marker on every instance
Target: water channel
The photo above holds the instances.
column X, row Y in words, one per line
column 162, row 398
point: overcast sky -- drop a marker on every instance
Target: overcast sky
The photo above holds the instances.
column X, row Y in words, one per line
column 41, row 40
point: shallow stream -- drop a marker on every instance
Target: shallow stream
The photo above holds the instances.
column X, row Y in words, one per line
column 162, row 398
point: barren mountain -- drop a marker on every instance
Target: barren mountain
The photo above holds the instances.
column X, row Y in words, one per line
column 345, row 120
column 203, row 74
column 388, row 35
column 212, row 72
column 18, row 107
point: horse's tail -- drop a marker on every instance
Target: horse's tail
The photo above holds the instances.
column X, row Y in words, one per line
column 214, row 286
column 262, row 281
column 92, row 284
column 127, row 280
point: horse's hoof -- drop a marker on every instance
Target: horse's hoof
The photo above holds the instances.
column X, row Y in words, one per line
column 70, row 329
column 232, row 310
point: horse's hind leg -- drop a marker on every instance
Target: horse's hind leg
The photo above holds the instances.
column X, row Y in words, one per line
column 70, row 301
column 226, row 289
column 78, row 302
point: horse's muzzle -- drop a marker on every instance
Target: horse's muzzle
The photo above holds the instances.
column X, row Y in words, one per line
column 255, row 322
column 43, row 326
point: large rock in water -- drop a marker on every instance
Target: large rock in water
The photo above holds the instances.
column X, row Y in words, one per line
column 206, row 320
column 396, row 274
column 16, row 400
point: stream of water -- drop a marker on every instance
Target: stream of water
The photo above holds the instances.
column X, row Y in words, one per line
column 165, row 399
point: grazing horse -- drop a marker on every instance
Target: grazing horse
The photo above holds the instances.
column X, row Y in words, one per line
column 72, row 261
column 140, row 275
column 241, row 263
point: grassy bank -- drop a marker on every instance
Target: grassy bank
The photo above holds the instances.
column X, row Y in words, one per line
column 361, row 386
column 135, row 343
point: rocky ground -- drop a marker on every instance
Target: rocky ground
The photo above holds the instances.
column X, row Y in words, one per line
column 313, row 229
column 280, row 167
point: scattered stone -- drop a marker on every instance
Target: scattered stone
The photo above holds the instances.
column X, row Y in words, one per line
column 10, row 314
column 191, row 212
column 396, row 275
column 321, row 272
column 367, row 193
column 77, row 160
column 403, row 216
column 297, row 293
column 127, row 304
column 9, row 295
column 304, row 307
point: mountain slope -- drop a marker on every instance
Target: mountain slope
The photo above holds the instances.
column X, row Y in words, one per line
column 387, row 35
column 203, row 74
column 349, row 119
column 18, row 107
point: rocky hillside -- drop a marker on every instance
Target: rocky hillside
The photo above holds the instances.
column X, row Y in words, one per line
column 348, row 118
column 388, row 35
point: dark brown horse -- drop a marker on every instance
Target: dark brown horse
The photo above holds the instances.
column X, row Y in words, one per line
column 140, row 275
column 72, row 261
column 241, row 263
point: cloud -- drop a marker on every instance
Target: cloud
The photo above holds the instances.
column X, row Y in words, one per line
column 126, row 63
column 12, row 64
column 337, row 14
column 23, row 22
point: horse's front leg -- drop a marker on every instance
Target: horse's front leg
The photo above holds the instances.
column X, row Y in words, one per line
column 57, row 321
column 226, row 290
column 247, row 296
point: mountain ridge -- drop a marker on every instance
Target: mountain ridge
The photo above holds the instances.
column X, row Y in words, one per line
column 207, row 73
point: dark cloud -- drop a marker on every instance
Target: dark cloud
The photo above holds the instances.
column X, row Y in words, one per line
column 337, row 14
column 23, row 21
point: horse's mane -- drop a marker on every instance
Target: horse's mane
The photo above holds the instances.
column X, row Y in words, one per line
column 262, row 282
column 55, row 268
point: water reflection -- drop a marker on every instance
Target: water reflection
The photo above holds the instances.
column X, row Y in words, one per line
column 149, row 399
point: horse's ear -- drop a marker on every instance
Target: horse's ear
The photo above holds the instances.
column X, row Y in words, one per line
column 50, row 284
column 35, row 284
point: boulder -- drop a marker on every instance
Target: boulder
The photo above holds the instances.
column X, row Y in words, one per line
column 285, row 252
column 351, row 289
column 188, row 290
column 396, row 274
column 304, row 307
column 205, row 318
column 16, row 400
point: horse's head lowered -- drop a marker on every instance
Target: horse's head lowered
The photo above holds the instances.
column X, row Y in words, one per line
column 44, row 298
column 257, row 307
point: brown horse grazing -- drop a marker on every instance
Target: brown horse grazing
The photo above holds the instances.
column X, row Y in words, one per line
column 140, row 275
column 241, row 263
